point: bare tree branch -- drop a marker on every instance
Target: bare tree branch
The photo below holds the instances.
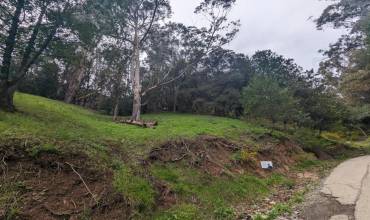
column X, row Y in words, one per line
column 31, row 42
column 151, row 22
column 38, row 53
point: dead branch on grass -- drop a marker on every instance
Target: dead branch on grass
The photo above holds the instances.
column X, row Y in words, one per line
column 83, row 181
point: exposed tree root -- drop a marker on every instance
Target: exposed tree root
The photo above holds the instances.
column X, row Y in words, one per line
column 207, row 153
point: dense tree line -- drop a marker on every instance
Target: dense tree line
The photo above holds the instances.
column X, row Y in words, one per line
column 123, row 57
column 346, row 69
column 95, row 48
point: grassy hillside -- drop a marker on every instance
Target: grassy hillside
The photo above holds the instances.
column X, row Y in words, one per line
column 57, row 121
column 200, row 179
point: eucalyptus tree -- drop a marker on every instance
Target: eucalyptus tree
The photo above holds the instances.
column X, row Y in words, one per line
column 88, row 26
column 166, row 56
column 344, row 13
column 211, row 86
column 85, row 36
column 354, row 16
column 99, row 38
column 355, row 79
column 141, row 16
column 28, row 27
column 115, row 69
column 187, row 47
column 347, row 63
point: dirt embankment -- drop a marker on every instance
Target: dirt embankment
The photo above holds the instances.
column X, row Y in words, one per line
column 48, row 184
column 218, row 156
column 52, row 185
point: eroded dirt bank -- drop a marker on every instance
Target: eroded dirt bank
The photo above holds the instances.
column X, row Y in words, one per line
column 215, row 155
column 50, row 185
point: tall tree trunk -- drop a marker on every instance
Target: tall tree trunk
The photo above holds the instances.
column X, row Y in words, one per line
column 6, row 97
column 7, row 90
column 10, row 41
column 75, row 82
column 175, row 98
column 136, row 107
column 117, row 95
column 116, row 110
column 117, row 92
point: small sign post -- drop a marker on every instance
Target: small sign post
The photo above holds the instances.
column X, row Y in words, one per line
column 267, row 165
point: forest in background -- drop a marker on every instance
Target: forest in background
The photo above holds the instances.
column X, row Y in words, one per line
column 96, row 62
column 125, row 57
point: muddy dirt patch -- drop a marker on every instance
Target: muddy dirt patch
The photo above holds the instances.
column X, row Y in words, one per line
column 210, row 154
column 51, row 185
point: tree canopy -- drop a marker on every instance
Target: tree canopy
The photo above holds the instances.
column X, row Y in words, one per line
column 125, row 57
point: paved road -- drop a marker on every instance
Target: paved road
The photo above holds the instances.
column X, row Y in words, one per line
column 349, row 185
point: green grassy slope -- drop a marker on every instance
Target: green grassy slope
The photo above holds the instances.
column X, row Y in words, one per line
column 53, row 120
column 57, row 125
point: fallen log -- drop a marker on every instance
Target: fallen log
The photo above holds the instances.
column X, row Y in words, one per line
column 143, row 124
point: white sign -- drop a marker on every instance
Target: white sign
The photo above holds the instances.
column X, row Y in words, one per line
column 267, row 165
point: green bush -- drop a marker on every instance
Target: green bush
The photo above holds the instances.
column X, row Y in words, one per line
column 264, row 94
column 245, row 156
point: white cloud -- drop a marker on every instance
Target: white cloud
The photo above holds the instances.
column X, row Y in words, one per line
column 284, row 26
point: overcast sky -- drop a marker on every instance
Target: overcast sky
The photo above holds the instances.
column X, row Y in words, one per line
column 284, row 26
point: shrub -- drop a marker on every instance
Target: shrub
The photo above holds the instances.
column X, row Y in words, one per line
column 245, row 156
column 265, row 98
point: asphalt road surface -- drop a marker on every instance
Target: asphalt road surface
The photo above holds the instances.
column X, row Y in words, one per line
column 345, row 194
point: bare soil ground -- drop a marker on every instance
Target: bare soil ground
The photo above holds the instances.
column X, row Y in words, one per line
column 48, row 187
column 215, row 155
column 54, row 185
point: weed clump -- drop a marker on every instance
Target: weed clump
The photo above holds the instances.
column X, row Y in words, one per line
column 135, row 188
column 38, row 150
column 183, row 212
